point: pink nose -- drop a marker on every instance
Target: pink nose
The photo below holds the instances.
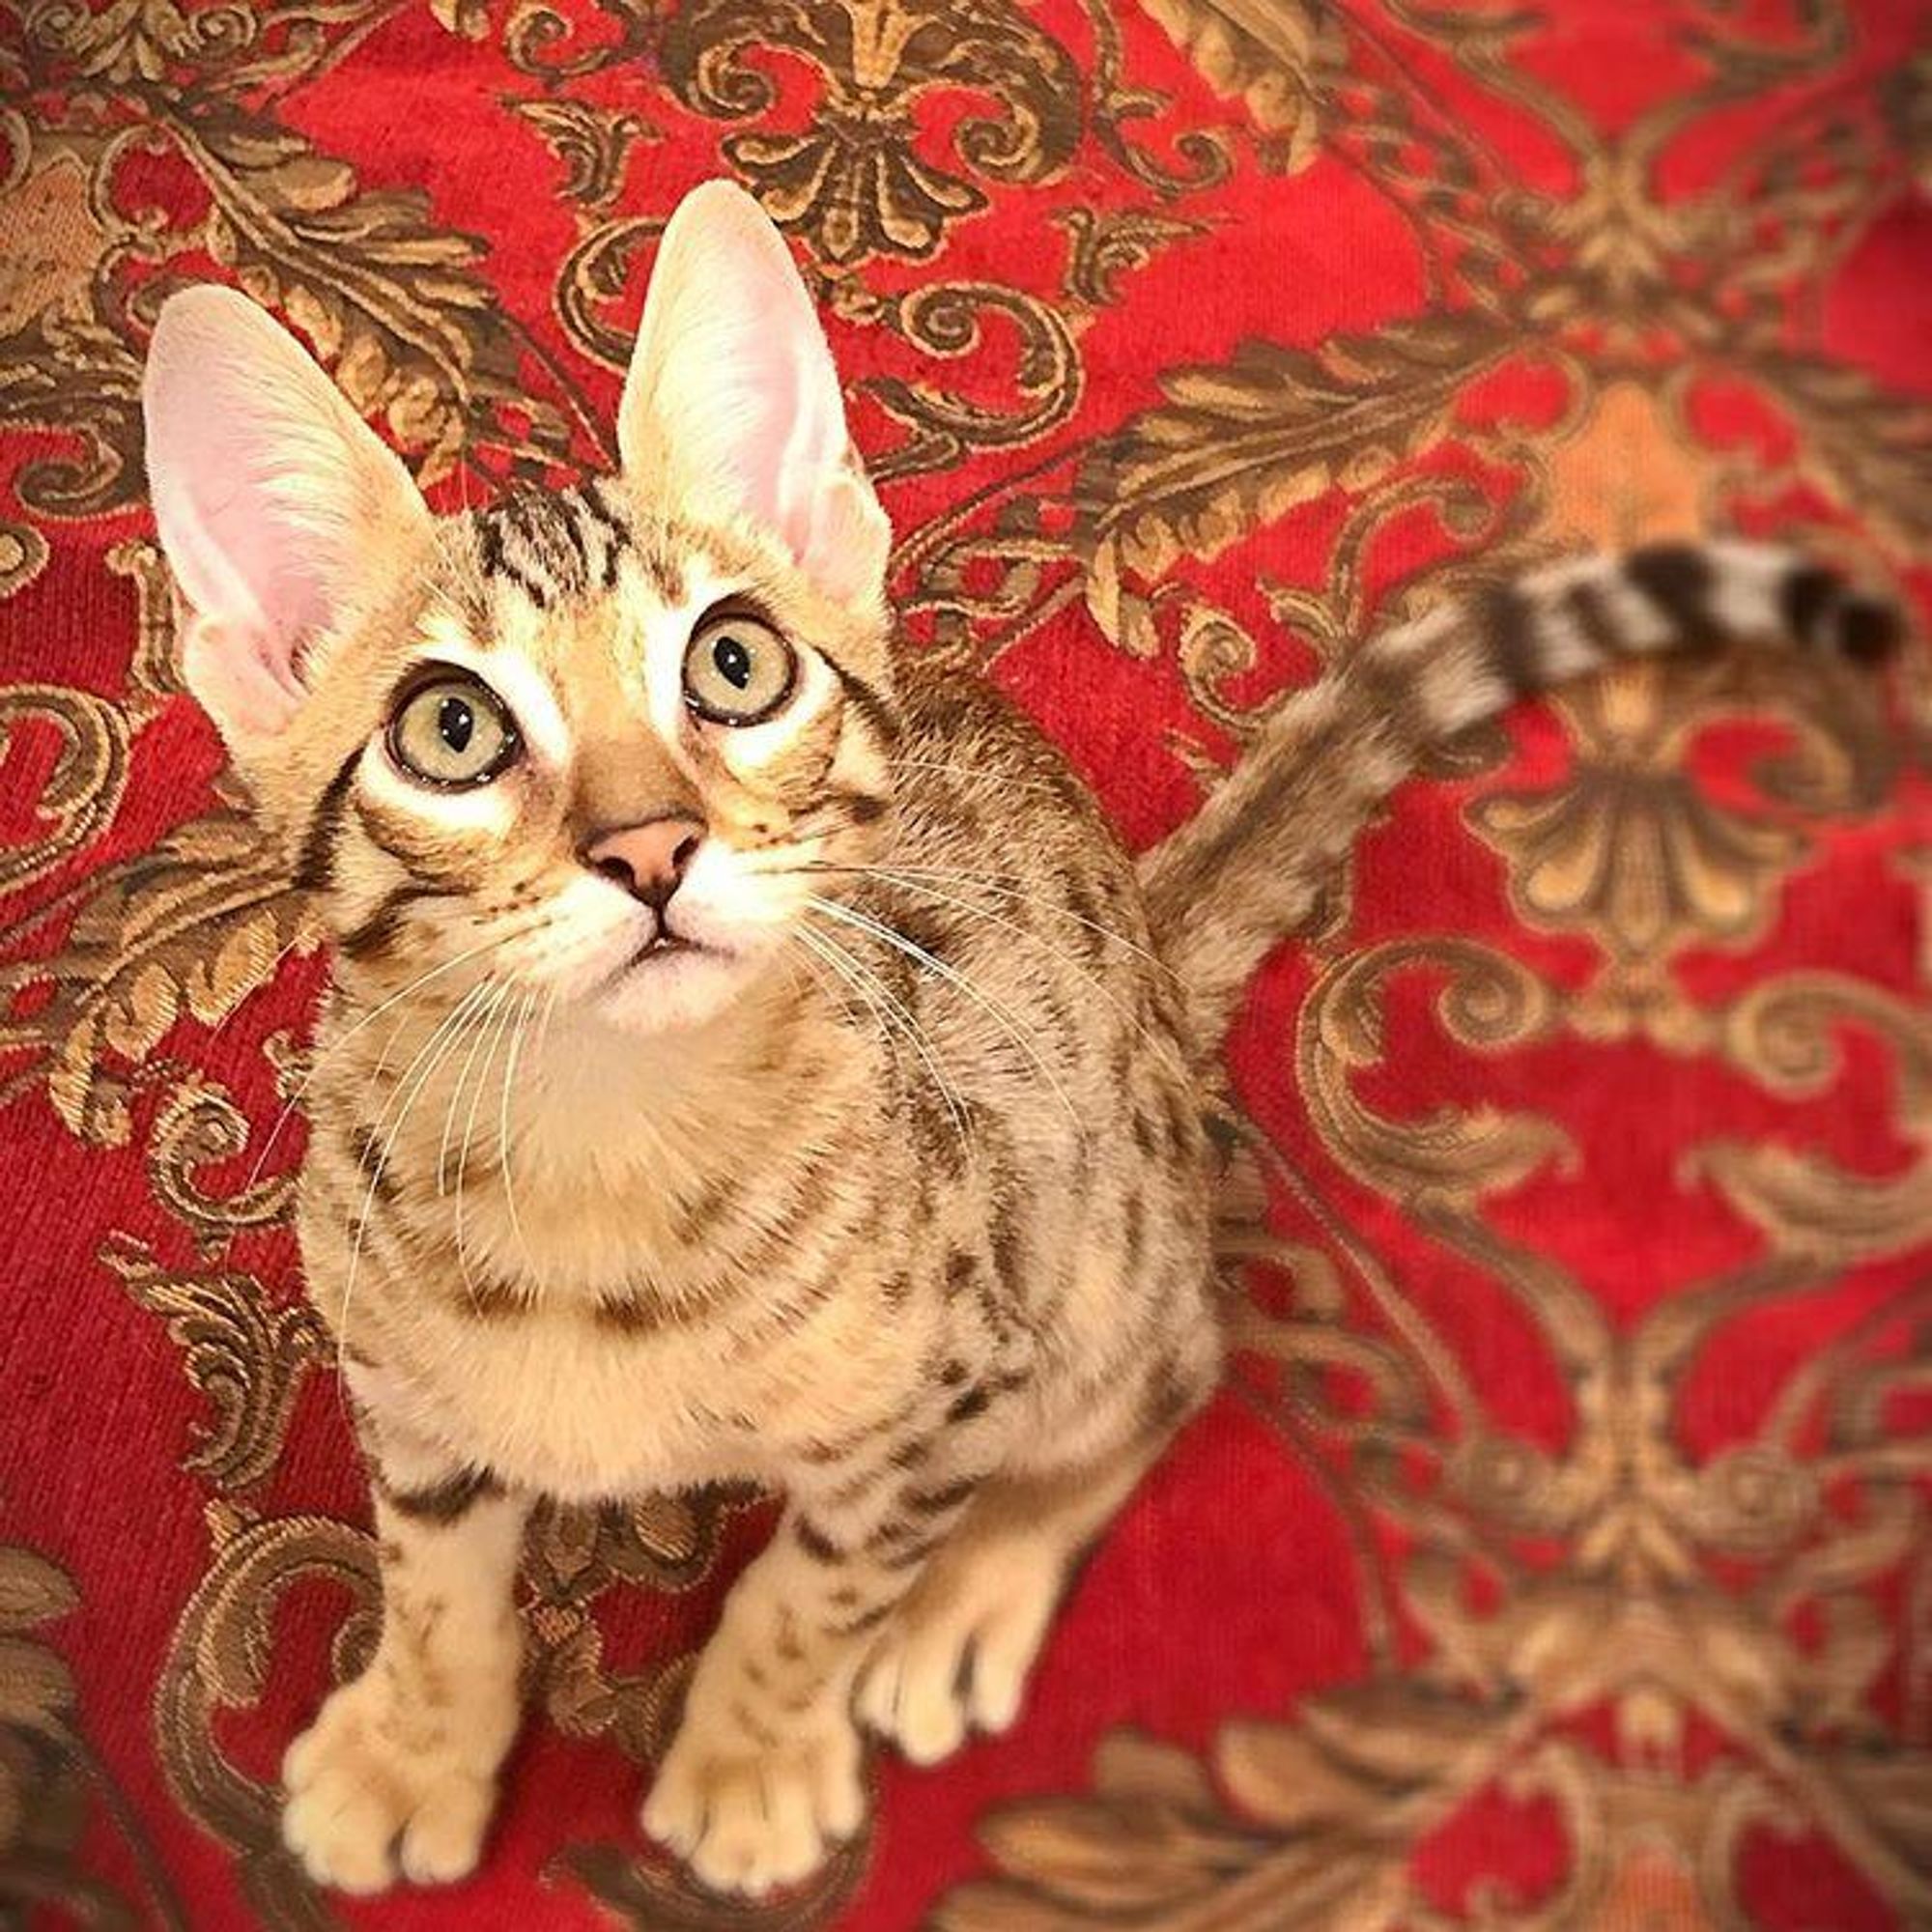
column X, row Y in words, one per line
column 648, row 861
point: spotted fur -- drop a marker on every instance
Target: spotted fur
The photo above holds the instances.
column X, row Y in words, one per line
column 919, row 1236
column 890, row 1190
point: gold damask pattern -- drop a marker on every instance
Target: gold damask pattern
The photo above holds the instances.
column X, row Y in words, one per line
column 1636, row 1527
column 851, row 181
column 48, row 1773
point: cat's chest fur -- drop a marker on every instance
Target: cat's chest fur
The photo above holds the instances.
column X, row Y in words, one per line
column 635, row 1298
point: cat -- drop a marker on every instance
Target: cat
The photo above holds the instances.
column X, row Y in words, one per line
column 748, row 1052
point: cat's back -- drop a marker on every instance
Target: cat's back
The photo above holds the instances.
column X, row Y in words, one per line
column 1036, row 974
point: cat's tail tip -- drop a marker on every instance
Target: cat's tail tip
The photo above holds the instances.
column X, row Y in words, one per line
column 1827, row 613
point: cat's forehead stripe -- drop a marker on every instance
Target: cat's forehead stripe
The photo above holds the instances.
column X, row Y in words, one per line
column 553, row 545
column 663, row 571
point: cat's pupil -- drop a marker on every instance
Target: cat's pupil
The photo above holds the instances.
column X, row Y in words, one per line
column 734, row 662
column 456, row 723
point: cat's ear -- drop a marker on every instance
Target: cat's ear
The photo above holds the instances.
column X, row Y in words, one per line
column 278, row 506
column 732, row 397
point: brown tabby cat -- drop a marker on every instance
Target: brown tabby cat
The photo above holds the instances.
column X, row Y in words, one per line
column 749, row 1054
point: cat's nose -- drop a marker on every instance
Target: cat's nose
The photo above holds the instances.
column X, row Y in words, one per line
column 648, row 861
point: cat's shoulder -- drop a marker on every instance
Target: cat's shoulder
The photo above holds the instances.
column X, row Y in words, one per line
column 965, row 717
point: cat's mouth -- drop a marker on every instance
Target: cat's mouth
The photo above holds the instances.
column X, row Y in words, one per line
column 664, row 945
column 669, row 979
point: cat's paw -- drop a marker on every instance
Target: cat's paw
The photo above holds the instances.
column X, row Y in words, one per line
column 956, row 1655
column 749, row 1821
column 372, row 1795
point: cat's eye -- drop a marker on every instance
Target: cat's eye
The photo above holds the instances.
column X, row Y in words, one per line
column 737, row 669
column 452, row 730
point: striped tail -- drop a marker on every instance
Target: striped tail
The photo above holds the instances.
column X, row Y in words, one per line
column 1249, row 870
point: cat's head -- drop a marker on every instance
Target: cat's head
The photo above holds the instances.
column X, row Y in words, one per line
column 592, row 742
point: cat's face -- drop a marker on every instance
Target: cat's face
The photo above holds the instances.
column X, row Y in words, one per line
column 602, row 744
column 615, row 754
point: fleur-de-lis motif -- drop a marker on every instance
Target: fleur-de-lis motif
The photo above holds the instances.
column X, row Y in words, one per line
column 857, row 177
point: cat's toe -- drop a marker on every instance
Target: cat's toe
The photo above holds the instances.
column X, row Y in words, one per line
column 673, row 1812
column 912, row 1695
column 959, row 1654
column 749, row 1824
column 342, row 1833
column 363, row 1810
column 1007, row 1642
column 733, row 1852
column 443, row 1838
column 797, row 1843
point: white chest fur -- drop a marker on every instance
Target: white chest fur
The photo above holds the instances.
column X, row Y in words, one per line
column 553, row 1404
column 569, row 1327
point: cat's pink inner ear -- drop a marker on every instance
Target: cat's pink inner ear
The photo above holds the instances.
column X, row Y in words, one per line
column 732, row 393
column 276, row 505
column 246, row 686
column 849, row 541
column 238, row 659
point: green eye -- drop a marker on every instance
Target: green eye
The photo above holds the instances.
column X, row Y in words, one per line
column 737, row 669
column 454, row 731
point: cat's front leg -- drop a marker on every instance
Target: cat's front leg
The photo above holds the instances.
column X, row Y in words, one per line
column 762, row 1778
column 398, row 1772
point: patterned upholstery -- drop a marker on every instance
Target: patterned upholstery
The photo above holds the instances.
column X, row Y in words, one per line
column 1558, row 1556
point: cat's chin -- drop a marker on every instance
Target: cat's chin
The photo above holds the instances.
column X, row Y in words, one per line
column 664, row 989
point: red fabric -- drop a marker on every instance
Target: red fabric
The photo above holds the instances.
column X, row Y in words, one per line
column 1556, row 1557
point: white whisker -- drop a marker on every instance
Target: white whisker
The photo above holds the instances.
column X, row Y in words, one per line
column 442, row 1037
column 542, row 1045
column 337, row 1045
column 504, row 1128
column 994, row 881
column 951, row 974
column 983, row 775
column 502, row 999
column 891, row 1012
column 992, row 918
column 495, row 1026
